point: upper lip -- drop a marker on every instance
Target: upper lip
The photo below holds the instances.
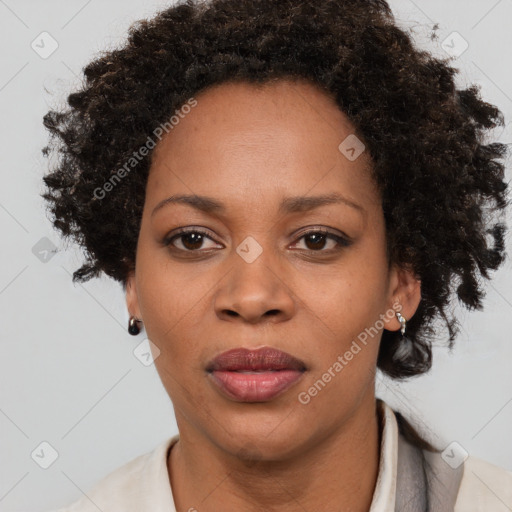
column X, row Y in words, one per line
column 265, row 358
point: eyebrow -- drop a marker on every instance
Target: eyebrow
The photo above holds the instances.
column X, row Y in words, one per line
column 288, row 205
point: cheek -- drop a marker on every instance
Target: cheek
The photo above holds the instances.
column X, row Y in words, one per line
column 166, row 294
column 344, row 361
column 345, row 303
column 347, row 297
column 171, row 324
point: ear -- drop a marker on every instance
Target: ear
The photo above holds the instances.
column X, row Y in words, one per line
column 404, row 295
column 132, row 299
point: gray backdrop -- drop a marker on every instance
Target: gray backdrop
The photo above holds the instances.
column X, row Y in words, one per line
column 69, row 376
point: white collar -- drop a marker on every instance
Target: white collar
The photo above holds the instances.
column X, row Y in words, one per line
column 384, row 495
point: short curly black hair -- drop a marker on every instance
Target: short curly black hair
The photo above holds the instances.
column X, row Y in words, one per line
column 442, row 187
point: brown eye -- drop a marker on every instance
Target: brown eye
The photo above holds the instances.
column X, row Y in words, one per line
column 191, row 240
column 316, row 240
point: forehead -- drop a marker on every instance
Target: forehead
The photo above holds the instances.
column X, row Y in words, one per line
column 247, row 140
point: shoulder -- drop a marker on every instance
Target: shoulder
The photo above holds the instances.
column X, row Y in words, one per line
column 135, row 486
column 484, row 488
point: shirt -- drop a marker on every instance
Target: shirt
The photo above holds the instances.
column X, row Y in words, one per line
column 143, row 483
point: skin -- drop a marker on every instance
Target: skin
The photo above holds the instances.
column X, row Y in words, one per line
column 249, row 147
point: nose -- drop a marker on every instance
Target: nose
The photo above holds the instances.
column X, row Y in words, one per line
column 255, row 292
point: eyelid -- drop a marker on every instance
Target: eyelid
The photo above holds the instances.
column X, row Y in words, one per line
column 342, row 239
column 325, row 231
column 185, row 231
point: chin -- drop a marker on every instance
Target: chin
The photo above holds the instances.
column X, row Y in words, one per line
column 264, row 440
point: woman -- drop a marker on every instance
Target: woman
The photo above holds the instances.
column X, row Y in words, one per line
column 290, row 194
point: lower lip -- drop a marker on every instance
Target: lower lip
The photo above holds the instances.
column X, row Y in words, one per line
column 254, row 387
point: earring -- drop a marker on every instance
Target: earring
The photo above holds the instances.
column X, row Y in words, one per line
column 133, row 327
column 403, row 322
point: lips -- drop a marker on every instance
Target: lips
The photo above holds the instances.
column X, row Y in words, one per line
column 263, row 359
column 254, row 375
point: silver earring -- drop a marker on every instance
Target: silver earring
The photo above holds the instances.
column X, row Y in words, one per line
column 403, row 322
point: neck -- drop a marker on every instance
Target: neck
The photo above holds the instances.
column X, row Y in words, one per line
column 340, row 469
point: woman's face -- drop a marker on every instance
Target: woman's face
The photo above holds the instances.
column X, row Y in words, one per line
column 251, row 278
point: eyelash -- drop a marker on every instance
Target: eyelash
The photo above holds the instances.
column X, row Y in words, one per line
column 340, row 240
